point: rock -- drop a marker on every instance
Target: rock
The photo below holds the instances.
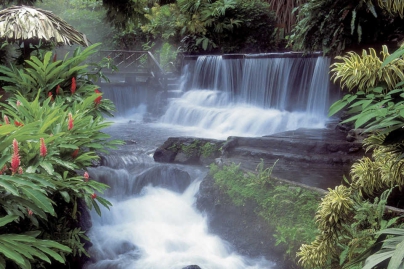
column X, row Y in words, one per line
column 192, row 267
column 188, row 150
column 169, row 177
column 239, row 225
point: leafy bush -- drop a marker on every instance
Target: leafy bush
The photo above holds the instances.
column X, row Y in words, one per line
column 47, row 135
column 333, row 26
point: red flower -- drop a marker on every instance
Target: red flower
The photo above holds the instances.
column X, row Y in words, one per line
column 70, row 123
column 97, row 100
column 86, row 176
column 15, row 147
column 73, row 86
column 6, row 120
column 18, row 103
column 29, row 212
column 57, row 89
column 50, row 95
column 17, row 124
column 15, row 159
column 55, row 57
column 42, row 148
column 93, row 196
column 75, row 153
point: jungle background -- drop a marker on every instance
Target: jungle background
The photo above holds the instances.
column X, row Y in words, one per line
column 44, row 141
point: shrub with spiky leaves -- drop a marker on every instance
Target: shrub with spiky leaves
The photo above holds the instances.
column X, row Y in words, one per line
column 364, row 72
column 333, row 211
column 44, row 140
column 70, row 78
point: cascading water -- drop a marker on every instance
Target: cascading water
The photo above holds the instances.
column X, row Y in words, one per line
column 252, row 96
column 153, row 223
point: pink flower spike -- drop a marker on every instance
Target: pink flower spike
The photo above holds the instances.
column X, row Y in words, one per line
column 18, row 103
column 42, row 148
column 29, row 212
column 6, row 120
column 97, row 100
column 73, row 86
column 15, row 159
column 86, row 176
column 93, row 196
column 70, row 122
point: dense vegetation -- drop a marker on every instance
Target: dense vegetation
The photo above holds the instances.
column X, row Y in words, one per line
column 347, row 236
column 50, row 132
column 52, row 121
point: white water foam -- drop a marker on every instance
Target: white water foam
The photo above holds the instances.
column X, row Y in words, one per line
column 209, row 113
column 161, row 229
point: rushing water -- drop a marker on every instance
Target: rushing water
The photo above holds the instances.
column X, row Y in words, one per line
column 153, row 222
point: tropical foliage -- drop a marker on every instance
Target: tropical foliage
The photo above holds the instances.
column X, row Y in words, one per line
column 332, row 26
column 50, row 133
column 377, row 106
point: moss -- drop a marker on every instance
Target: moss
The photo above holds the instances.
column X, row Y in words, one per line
column 209, row 149
column 289, row 209
column 192, row 149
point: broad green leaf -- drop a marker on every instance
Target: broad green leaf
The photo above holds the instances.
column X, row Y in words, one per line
column 40, row 200
column 47, row 166
column 8, row 251
column 395, row 55
column 337, row 106
column 7, row 219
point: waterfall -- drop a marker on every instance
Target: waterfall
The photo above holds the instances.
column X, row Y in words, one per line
column 153, row 223
column 252, row 96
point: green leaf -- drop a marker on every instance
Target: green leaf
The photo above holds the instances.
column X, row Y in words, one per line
column 40, row 200
column 7, row 219
column 395, row 55
column 337, row 106
column 47, row 166
column 9, row 253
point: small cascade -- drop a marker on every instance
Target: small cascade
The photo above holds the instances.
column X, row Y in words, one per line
column 153, row 222
column 253, row 95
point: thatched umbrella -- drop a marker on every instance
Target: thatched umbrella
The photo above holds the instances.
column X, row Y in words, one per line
column 30, row 25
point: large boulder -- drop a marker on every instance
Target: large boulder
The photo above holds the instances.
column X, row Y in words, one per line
column 188, row 150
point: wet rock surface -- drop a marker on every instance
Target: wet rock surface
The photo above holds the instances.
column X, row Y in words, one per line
column 315, row 157
column 239, row 225
column 308, row 157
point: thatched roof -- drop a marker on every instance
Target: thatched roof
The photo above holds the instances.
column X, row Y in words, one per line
column 23, row 23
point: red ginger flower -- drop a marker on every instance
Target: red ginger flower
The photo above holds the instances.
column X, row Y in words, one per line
column 73, row 86
column 17, row 124
column 29, row 212
column 15, row 159
column 6, row 120
column 18, row 103
column 86, row 176
column 42, row 148
column 93, row 196
column 70, row 122
column 74, row 153
column 57, row 89
column 55, row 57
column 97, row 100
column 50, row 95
